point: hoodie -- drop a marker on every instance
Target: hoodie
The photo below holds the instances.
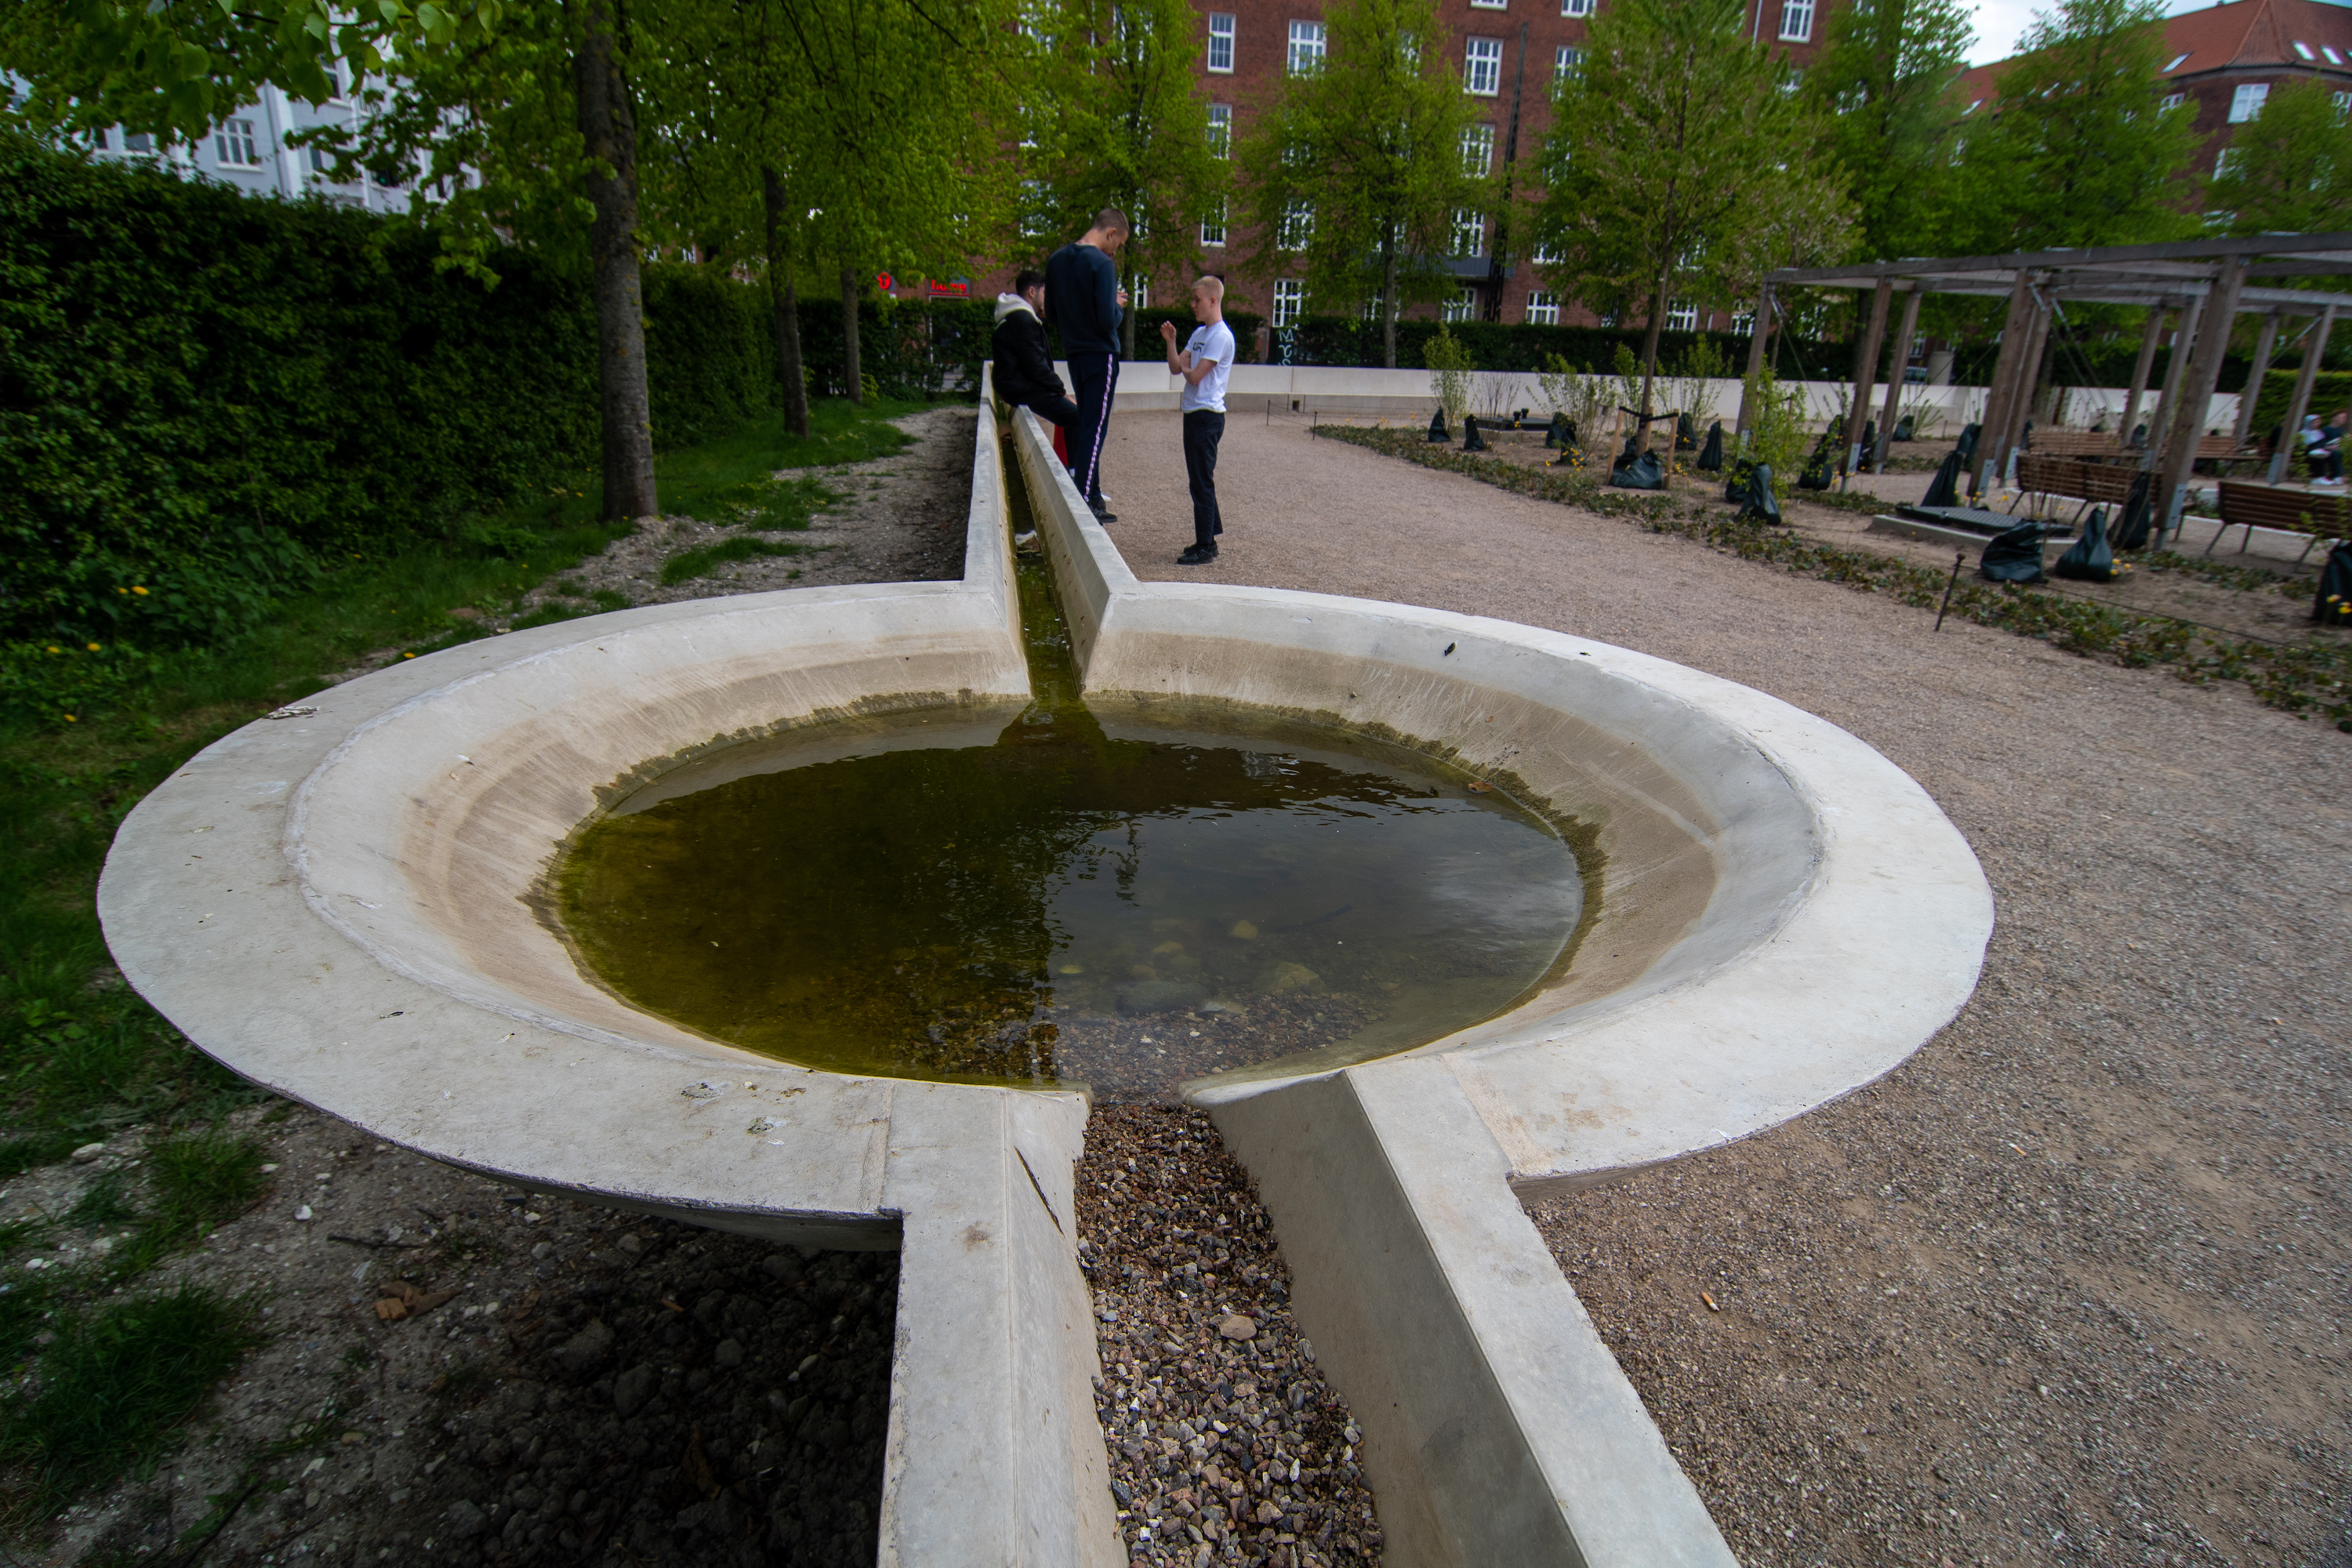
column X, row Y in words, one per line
column 1082, row 299
column 1025, row 370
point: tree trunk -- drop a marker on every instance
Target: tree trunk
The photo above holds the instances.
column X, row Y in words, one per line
column 608, row 125
column 851, row 371
column 786, row 306
column 1388, row 295
column 1650, row 358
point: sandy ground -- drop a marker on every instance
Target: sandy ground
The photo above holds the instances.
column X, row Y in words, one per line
column 2071, row 1284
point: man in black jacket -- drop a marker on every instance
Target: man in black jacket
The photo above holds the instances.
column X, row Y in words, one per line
column 1084, row 300
column 1025, row 370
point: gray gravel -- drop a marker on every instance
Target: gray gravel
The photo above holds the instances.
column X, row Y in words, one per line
column 2069, row 1285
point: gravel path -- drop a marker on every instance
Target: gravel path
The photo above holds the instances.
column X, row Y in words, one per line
column 2069, row 1287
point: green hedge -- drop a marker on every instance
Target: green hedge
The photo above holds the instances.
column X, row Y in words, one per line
column 209, row 396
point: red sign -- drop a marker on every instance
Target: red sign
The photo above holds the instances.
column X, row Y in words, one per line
column 885, row 283
column 951, row 287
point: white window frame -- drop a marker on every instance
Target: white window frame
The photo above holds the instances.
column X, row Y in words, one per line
column 1469, row 224
column 1220, row 129
column 1306, row 47
column 1564, row 60
column 1462, row 306
column 1743, row 322
column 2170, row 102
column 2343, row 102
column 2178, row 61
column 1482, row 67
column 1682, row 316
column 1490, row 5
column 2222, row 160
column 235, row 136
column 1139, row 297
column 2304, row 50
column 1796, row 21
column 1212, row 226
column 1545, row 255
column 1578, row 7
column 1289, row 301
column 2247, row 101
column 1478, row 150
column 1297, row 231
column 1220, row 32
column 1543, row 309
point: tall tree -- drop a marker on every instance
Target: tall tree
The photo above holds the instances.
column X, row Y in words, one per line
column 2289, row 169
column 1114, row 122
column 1677, row 136
column 1885, row 84
column 2075, row 148
column 1361, row 166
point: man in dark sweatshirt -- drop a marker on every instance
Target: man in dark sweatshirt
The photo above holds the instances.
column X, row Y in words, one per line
column 1024, row 375
column 1084, row 300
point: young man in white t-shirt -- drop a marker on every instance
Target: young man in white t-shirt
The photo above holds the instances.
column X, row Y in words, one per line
column 1206, row 362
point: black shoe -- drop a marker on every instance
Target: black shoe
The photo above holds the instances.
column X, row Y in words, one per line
column 1199, row 555
column 1103, row 515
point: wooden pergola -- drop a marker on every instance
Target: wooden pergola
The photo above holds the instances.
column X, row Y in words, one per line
column 2202, row 285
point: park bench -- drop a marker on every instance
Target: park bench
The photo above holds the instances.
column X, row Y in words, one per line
column 2091, row 484
column 2076, row 444
column 2320, row 514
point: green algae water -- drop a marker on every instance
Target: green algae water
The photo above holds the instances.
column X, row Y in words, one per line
column 1040, row 900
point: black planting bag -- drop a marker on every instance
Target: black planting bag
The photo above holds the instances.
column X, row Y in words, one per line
column 1685, row 433
column 1902, row 428
column 2014, row 556
column 1760, row 503
column 1967, row 447
column 1735, row 487
column 2334, row 606
column 2089, row 558
column 1944, row 489
column 2131, row 533
column 1437, row 431
column 1710, row 458
column 1643, row 472
column 1471, row 440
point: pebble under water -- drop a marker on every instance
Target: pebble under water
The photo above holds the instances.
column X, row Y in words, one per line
column 1046, row 902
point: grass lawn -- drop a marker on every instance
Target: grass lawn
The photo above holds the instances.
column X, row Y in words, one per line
column 82, row 1057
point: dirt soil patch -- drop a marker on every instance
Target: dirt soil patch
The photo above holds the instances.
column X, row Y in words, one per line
column 2117, row 1177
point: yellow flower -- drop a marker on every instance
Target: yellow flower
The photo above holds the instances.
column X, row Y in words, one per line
column 408, row 656
column 56, row 650
column 138, row 590
column 122, row 590
column 93, row 647
column 71, row 720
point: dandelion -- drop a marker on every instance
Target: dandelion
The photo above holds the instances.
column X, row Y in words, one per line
column 138, row 590
column 71, row 720
column 93, row 647
column 55, row 650
column 408, row 656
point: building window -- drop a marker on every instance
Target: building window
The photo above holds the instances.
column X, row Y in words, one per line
column 1298, row 226
column 2343, row 104
column 1576, row 7
column 1796, row 21
column 1565, row 62
column 1289, row 300
column 1482, row 67
column 1212, row 227
column 1490, row 5
column 1220, row 129
column 2247, row 101
column 322, row 159
column 2333, row 57
column 334, row 71
column 1462, row 307
column 1469, row 232
column 1305, row 48
column 1478, row 150
column 1682, row 316
column 2172, row 101
column 1221, row 42
column 1139, row 297
column 2221, row 162
column 138, row 141
column 2304, row 50
column 1743, row 322
column 1543, row 309
column 2178, row 61
column 236, row 147
column 1545, row 255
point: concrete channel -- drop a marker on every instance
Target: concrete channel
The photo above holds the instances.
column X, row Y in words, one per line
column 339, row 904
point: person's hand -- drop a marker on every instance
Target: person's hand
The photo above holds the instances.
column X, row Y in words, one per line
column 1122, row 298
column 1168, row 333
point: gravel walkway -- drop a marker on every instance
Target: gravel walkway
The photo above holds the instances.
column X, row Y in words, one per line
column 2071, row 1286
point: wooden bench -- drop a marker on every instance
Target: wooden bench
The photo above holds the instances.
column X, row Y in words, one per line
column 2076, row 444
column 2321, row 514
column 2092, row 484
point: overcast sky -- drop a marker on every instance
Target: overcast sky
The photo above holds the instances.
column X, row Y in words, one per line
column 2001, row 23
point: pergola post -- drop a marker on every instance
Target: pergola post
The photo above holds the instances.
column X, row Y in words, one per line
column 2148, row 340
column 2015, row 330
column 2303, row 380
column 2176, row 370
column 2264, row 341
column 1865, row 372
column 2197, row 390
column 1755, row 362
column 2028, row 382
column 1895, row 376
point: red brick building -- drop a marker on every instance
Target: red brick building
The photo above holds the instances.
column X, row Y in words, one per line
column 1509, row 54
column 2227, row 58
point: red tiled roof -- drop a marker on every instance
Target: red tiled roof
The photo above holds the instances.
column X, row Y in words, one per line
column 2251, row 34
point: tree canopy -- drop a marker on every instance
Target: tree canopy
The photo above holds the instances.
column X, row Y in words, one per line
column 2289, row 169
column 1884, row 86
